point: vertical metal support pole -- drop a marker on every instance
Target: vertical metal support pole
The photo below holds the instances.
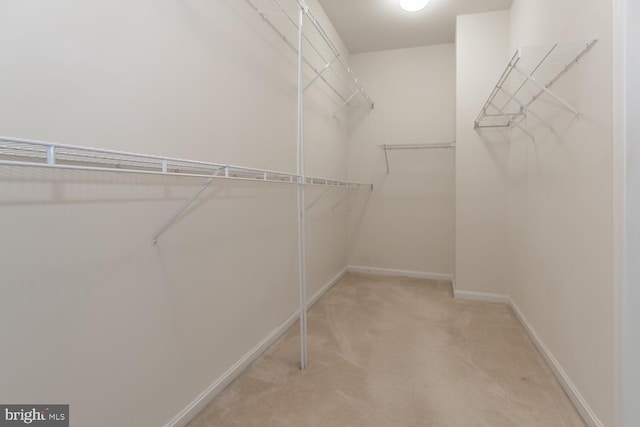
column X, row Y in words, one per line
column 51, row 155
column 302, row 249
column 164, row 166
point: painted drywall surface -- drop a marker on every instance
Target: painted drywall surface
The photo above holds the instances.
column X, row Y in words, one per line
column 560, row 212
column 93, row 315
column 555, row 192
column 561, row 209
column 96, row 317
column 481, row 157
column 631, row 295
column 407, row 222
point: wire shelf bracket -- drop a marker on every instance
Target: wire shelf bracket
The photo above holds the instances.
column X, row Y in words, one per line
column 175, row 216
column 515, row 92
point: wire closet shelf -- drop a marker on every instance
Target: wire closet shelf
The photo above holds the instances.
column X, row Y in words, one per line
column 322, row 59
column 25, row 152
column 529, row 75
column 30, row 153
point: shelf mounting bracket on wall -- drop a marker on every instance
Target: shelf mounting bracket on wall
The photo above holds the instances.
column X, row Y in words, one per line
column 547, row 90
column 167, row 224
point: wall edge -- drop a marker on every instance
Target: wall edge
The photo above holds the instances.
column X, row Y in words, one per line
column 396, row 272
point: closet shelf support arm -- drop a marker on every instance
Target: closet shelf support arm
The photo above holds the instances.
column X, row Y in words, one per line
column 547, row 91
column 565, row 69
column 319, row 73
column 184, row 207
column 346, row 102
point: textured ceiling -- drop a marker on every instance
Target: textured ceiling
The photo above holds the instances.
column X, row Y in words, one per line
column 370, row 25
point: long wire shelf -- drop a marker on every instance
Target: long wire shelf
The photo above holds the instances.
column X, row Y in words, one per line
column 322, row 58
column 42, row 154
column 529, row 75
column 25, row 152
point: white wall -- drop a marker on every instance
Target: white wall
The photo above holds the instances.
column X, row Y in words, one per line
column 560, row 213
column 93, row 315
column 481, row 157
column 534, row 215
column 407, row 223
column 631, row 295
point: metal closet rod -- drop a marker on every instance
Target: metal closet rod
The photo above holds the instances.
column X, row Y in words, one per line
column 327, row 62
column 33, row 153
column 425, row 146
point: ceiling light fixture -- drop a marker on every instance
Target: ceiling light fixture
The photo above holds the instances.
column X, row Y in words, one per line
column 413, row 5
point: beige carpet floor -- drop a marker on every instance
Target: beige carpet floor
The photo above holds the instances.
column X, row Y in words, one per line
column 398, row 352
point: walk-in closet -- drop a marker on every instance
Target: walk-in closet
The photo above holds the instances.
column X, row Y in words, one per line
column 318, row 213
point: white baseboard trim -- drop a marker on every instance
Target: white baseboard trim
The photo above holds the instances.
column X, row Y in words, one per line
column 204, row 398
column 569, row 388
column 481, row 296
column 330, row 284
column 395, row 272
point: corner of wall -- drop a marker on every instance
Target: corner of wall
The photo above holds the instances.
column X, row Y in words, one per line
column 579, row 402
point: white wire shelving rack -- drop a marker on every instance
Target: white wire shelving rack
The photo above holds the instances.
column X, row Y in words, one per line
column 322, row 60
column 425, row 146
column 25, row 152
column 528, row 76
column 317, row 57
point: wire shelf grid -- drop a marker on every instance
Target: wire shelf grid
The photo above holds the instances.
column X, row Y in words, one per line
column 529, row 75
